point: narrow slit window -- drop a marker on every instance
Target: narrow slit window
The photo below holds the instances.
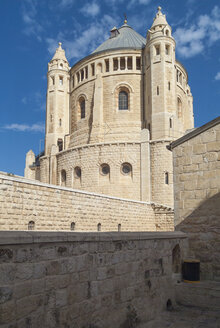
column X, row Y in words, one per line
column 169, row 86
column 86, row 70
column 115, row 64
column 60, row 122
column 122, row 63
column 82, row 75
column 167, row 49
column 107, row 65
column 129, row 63
column 78, row 77
column 73, row 81
column 99, row 227
column 166, row 178
column 157, row 48
column 138, row 63
column 72, row 226
column 93, row 69
column 119, row 227
column 52, row 80
column 171, row 123
column 158, row 91
column 60, row 144
column 82, row 108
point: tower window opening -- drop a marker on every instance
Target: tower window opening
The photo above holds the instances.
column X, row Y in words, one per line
column 31, row 225
column 52, row 80
column 93, row 69
column 107, row 65
column 60, row 122
column 123, row 100
column 115, row 64
column 158, row 91
column 99, row 227
column 167, row 32
column 166, row 178
column 86, row 70
column 157, row 48
column 60, row 80
column 171, row 123
column 60, row 144
column 72, row 226
column 82, row 75
column 63, row 178
column 180, row 78
column 77, row 172
column 61, row 65
column 51, row 118
column 138, row 63
column 73, row 81
column 82, row 105
column 122, row 63
column 169, row 86
column 167, row 49
column 119, row 227
column 129, row 62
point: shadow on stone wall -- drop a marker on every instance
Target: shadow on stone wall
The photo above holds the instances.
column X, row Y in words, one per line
column 203, row 229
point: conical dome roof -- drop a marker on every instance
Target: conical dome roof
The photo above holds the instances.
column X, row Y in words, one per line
column 160, row 19
column 60, row 53
column 124, row 37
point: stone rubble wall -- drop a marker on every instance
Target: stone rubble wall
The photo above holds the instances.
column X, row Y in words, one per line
column 55, row 208
column 197, row 197
column 100, row 280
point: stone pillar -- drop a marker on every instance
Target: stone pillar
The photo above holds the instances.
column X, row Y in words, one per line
column 145, row 166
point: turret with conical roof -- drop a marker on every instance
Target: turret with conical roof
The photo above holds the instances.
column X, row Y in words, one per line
column 57, row 115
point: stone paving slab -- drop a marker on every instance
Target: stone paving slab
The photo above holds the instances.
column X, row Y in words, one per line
column 187, row 317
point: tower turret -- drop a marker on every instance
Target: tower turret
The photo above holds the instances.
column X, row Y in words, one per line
column 57, row 116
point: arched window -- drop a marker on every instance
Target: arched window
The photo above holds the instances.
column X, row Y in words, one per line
column 126, row 169
column 82, row 107
column 31, row 225
column 123, row 100
column 72, row 226
column 99, row 227
column 77, row 172
column 119, row 227
column 63, row 178
column 105, row 169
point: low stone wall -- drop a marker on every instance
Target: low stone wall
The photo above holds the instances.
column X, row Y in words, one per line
column 55, row 208
column 100, row 280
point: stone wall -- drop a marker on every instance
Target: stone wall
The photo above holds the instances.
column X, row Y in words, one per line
column 197, row 194
column 83, row 280
column 55, row 208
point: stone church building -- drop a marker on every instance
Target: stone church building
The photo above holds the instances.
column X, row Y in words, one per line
column 110, row 117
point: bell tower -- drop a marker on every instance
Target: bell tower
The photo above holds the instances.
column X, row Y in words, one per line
column 160, row 73
column 57, row 108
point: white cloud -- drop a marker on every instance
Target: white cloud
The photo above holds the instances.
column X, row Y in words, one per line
column 37, row 127
column 90, row 9
column 32, row 27
column 86, row 41
column 66, row 3
column 194, row 39
column 24, row 100
column 217, row 77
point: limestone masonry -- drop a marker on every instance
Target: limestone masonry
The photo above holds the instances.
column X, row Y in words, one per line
column 110, row 117
column 197, row 194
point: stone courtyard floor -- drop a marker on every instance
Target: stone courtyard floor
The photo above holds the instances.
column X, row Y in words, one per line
column 187, row 317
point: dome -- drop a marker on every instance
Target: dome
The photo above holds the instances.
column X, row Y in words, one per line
column 124, row 37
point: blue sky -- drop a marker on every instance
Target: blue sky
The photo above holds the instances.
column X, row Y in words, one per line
column 31, row 29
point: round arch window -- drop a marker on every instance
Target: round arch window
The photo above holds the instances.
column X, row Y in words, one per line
column 126, row 168
column 77, row 172
column 105, row 169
